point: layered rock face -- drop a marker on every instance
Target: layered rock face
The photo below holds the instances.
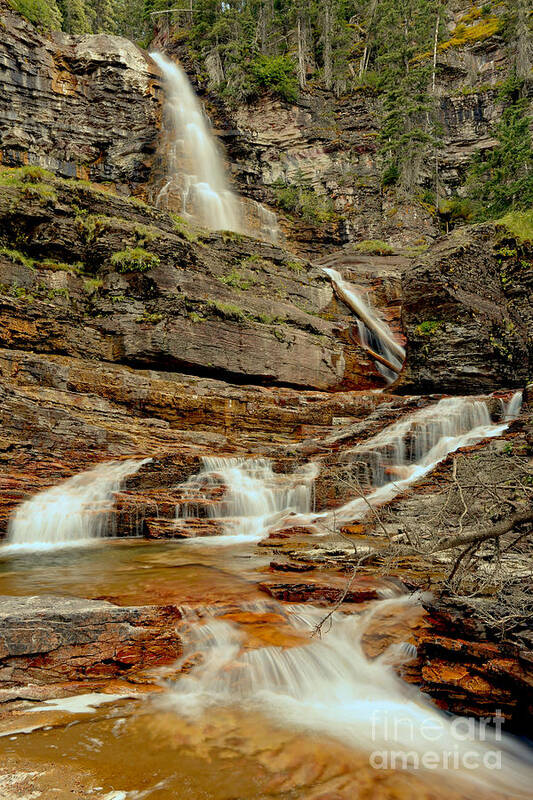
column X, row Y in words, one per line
column 219, row 305
column 80, row 106
column 333, row 145
column 467, row 314
column 50, row 639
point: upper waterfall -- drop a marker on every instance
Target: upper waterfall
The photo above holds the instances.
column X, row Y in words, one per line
column 196, row 177
column 196, row 170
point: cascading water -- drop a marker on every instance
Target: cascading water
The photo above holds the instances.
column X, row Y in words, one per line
column 330, row 685
column 405, row 451
column 196, row 174
column 253, row 496
column 196, row 170
column 374, row 333
column 74, row 512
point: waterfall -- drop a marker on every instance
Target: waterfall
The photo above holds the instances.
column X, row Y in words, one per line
column 512, row 409
column 246, row 495
column 374, row 333
column 328, row 685
column 405, row 451
column 196, row 174
column 73, row 512
column 196, row 169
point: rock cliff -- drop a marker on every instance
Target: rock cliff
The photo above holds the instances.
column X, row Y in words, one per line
column 83, row 107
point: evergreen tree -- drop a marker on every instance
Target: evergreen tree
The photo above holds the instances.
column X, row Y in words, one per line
column 44, row 14
column 74, row 16
column 502, row 179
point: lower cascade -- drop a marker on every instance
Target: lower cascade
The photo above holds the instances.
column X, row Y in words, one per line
column 329, row 685
column 74, row 512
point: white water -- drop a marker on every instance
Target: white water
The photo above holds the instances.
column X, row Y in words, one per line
column 328, row 685
column 513, row 408
column 74, row 512
column 374, row 333
column 406, row 451
column 253, row 499
column 196, row 172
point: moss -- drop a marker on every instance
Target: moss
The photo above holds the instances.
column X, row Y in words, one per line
column 17, row 257
column 183, row 228
column 237, row 281
column 195, row 317
column 227, row 310
column 91, row 226
column 31, row 181
column 134, row 259
column 146, row 234
column 294, row 266
column 92, row 285
column 374, row 247
column 466, row 33
column 152, row 319
column 428, row 327
column 519, row 223
column 59, row 266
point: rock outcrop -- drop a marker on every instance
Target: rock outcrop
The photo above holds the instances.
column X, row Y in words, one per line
column 83, row 107
column 118, row 282
column 49, row 639
column 467, row 314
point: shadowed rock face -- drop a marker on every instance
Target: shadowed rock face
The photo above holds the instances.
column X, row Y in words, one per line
column 80, row 106
column 467, row 314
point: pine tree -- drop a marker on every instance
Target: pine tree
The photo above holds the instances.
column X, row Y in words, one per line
column 44, row 14
column 74, row 17
column 502, row 179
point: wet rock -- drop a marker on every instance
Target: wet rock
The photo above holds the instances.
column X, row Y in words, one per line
column 50, row 639
column 319, row 593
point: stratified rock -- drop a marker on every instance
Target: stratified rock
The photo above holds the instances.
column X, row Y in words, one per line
column 217, row 305
column 50, row 639
column 467, row 314
column 80, row 106
column 321, row 593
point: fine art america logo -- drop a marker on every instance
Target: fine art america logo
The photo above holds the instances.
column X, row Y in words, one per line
column 463, row 743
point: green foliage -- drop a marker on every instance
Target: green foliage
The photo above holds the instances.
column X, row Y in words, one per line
column 519, row 223
column 428, row 327
column 44, row 14
column 276, row 74
column 17, row 257
column 374, row 247
column 151, row 319
column 456, row 209
column 134, row 259
column 227, row 310
column 305, row 203
column 237, row 281
column 501, row 179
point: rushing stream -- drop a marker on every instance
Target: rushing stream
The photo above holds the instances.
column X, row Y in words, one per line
column 258, row 694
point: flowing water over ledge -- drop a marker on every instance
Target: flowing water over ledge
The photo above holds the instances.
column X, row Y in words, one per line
column 260, row 706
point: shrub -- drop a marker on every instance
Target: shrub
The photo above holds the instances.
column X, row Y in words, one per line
column 134, row 259
column 374, row 247
column 275, row 74
column 306, row 203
